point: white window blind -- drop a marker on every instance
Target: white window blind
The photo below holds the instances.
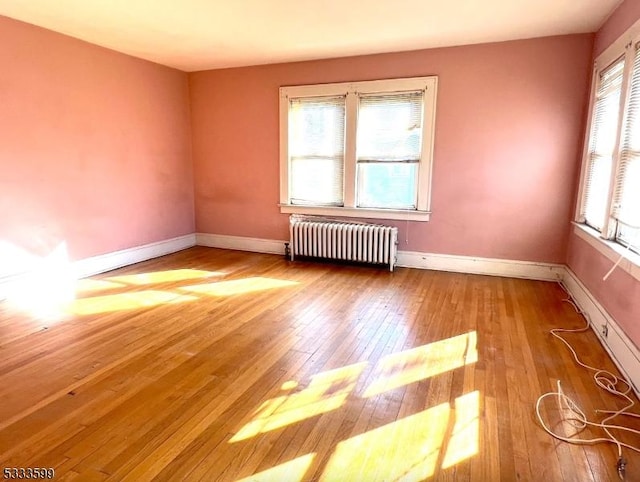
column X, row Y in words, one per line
column 389, row 149
column 604, row 127
column 626, row 201
column 316, row 150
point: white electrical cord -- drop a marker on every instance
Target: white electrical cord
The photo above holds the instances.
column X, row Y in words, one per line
column 577, row 418
column 617, row 263
column 633, row 242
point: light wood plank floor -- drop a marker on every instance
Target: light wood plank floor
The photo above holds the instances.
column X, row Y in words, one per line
column 220, row 365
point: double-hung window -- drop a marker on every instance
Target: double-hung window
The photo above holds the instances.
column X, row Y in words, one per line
column 360, row 149
column 626, row 200
column 602, row 144
column 610, row 199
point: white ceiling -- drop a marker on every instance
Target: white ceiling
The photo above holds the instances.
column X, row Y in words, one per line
column 196, row 35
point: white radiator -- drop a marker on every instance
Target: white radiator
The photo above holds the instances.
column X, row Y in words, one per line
column 350, row 241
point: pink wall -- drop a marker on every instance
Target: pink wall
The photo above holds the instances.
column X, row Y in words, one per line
column 620, row 294
column 620, row 20
column 94, row 146
column 506, row 148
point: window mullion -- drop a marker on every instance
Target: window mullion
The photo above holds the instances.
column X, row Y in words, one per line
column 425, row 167
column 351, row 121
column 609, row 226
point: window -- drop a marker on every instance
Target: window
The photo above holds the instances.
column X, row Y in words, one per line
column 626, row 201
column 610, row 200
column 360, row 149
column 602, row 144
column 316, row 150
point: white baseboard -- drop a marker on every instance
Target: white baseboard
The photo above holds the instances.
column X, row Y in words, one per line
column 240, row 243
column 102, row 263
column 407, row 259
column 486, row 266
column 620, row 348
column 118, row 259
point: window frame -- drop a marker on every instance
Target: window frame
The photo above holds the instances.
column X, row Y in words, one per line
column 351, row 90
column 606, row 240
column 598, row 69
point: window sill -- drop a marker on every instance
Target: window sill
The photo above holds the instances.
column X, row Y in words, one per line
column 362, row 213
column 612, row 250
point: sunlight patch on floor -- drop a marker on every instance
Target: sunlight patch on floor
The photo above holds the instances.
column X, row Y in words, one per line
column 409, row 366
column 124, row 301
column 464, row 440
column 88, row 285
column 409, row 449
column 239, row 286
column 326, row 392
column 292, row 471
column 168, row 276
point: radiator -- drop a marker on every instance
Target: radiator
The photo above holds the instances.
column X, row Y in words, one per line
column 342, row 240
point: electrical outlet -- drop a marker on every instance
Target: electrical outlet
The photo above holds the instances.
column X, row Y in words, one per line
column 604, row 330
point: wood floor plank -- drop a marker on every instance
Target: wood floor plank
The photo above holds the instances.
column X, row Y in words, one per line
column 222, row 365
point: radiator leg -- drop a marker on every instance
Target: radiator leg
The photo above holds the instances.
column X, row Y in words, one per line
column 394, row 250
column 292, row 241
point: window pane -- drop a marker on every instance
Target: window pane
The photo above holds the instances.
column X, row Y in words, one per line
column 316, row 150
column 628, row 210
column 387, row 185
column 627, row 192
column 388, row 147
column 602, row 143
column 313, row 181
column 629, row 237
column 598, row 191
column 390, row 127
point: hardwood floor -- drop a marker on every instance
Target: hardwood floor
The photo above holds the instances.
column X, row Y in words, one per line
column 220, row 365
